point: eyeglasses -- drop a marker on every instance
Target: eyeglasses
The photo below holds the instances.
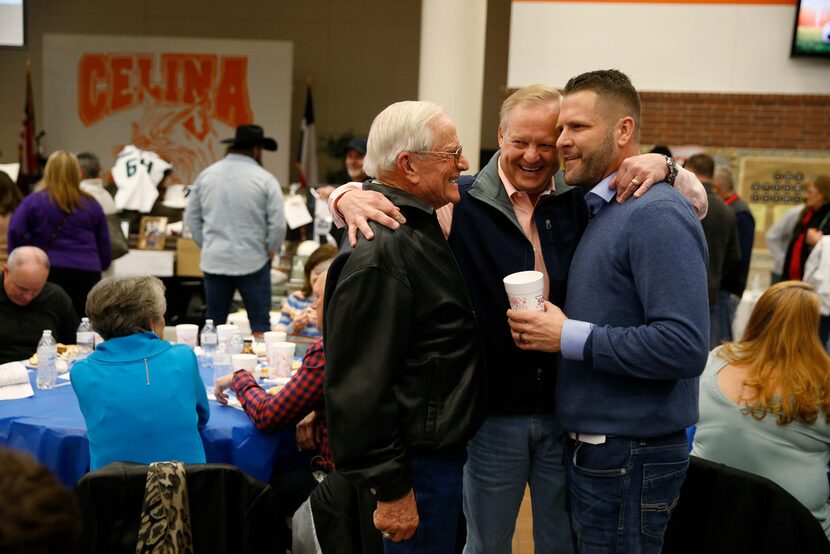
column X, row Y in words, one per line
column 441, row 154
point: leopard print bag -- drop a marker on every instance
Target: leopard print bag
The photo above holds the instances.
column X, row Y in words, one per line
column 165, row 515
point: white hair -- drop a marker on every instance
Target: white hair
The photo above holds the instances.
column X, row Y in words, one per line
column 401, row 127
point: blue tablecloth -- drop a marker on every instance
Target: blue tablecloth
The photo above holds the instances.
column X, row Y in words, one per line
column 50, row 426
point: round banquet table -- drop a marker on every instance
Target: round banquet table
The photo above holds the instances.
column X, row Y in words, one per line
column 49, row 425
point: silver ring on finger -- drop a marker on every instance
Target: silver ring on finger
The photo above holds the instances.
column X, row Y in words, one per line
column 386, row 534
column 522, row 338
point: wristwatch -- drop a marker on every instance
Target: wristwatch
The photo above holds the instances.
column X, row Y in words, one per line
column 672, row 170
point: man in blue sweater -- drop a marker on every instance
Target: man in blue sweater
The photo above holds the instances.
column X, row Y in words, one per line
column 637, row 336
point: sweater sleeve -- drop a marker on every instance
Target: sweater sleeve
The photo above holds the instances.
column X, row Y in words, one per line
column 18, row 226
column 667, row 258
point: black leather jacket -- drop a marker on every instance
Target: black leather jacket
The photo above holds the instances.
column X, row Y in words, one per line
column 404, row 361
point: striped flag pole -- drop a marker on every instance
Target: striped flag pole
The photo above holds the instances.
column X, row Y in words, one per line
column 26, row 149
column 306, row 162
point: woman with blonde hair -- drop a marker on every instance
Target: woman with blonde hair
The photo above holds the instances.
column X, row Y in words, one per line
column 765, row 400
column 68, row 224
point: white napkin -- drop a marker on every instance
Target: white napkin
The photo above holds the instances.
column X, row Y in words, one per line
column 14, row 381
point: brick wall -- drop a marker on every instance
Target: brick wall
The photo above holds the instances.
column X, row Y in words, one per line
column 782, row 121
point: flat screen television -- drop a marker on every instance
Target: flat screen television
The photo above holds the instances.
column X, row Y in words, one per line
column 811, row 34
column 12, row 23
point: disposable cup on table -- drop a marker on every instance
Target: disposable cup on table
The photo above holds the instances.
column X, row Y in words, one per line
column 225, row 331
column 280, row 356
column 187, row 333
column 244, row 361
column 274, row 336
column 259, row 348
column 526, row 290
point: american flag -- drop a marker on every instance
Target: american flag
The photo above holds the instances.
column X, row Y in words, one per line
column 307, row 156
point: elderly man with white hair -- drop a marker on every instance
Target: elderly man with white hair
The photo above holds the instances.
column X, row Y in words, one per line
column 403, row 354
column 29, row 304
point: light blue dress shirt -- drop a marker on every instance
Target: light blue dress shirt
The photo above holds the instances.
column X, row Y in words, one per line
column 236, row 215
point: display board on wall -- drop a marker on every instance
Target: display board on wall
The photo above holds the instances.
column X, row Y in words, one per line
column 772, row 186
column 178, row 97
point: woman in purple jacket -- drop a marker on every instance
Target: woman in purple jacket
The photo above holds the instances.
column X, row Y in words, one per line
column 68, row 224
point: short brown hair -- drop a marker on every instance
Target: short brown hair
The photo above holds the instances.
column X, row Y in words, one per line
column 38, row 515
column 322, row 254
column 613, row 85
column 822, row 183
column 701, row 165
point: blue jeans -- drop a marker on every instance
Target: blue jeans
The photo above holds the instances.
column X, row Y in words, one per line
column 720, row 318
column 621, row 493
column 507, row 454
column 255, row 289
column 436, row 479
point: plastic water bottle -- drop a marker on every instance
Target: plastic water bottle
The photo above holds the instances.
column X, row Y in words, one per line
column 209, row 338
column 208, row 341
column 85, row 339
column 206, row 368
column 47, row 353
column 221, row 362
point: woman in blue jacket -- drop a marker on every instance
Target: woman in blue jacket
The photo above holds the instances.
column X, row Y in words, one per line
column 142, row 398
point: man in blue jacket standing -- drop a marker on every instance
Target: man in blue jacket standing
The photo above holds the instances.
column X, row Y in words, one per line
column 637, row 337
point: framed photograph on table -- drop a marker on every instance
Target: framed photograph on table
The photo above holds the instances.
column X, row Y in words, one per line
column 152, row 232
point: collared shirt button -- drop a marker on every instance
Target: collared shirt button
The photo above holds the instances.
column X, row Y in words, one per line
column 538, row 371
column 374, row 491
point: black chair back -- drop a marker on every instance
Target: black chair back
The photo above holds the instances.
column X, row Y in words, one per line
column 230, row 511
column 723, row 509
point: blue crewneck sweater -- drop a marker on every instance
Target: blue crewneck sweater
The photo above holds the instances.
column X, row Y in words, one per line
column 638, row 275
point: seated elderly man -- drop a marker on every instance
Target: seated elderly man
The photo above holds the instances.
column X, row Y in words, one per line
column 403, row 354
column 141, row 397
column 29, row 304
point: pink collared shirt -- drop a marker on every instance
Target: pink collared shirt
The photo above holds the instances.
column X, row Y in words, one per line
column 523, row 208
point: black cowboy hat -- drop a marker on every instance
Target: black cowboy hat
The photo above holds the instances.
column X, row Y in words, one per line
column 251, row 135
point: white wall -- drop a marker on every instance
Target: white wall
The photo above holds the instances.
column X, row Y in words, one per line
column 663, row 47
column 451, row 68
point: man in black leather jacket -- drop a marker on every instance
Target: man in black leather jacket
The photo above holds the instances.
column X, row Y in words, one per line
column 403, row 354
